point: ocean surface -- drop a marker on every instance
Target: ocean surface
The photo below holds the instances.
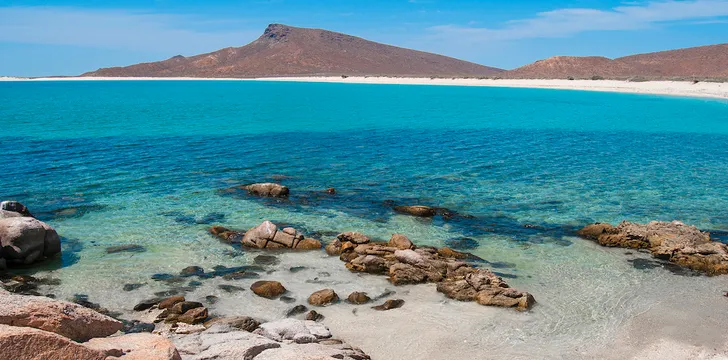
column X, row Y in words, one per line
column 146, row 162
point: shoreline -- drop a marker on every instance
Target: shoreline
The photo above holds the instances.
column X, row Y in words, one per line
column 668, row 88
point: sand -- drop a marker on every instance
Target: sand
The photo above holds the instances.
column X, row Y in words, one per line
column 671, row 88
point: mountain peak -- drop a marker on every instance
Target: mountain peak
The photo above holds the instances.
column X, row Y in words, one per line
column 277, row 31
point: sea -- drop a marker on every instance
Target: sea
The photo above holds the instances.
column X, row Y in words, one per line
column 150, row 163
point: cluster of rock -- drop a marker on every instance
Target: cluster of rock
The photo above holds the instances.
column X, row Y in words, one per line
column 674, row 241
column 266, row 190
column 404, row 263
column 268, row 236
column 23, row 239
column 33, row 327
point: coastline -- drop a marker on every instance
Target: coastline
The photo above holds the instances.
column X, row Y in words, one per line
column 669, row 88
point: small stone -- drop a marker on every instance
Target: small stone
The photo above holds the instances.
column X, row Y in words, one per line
column 358, row 298
column 287, row 299
column 296, row 269
column 211, row 299
column 192, row 270
column 323, row 297
column 296, row 310
column 268, row 289
column 184, row 306
column 390, row 304
column 314, row 316
column 193, row 316
column 146, row 304
column 170, row 301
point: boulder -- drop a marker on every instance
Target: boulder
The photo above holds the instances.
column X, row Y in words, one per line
column 24, row 343
column 486, row 288
column 672, row 241
column 67, row 319
column 334, row 248
column 268, row 289
column 266, row 190
column 323, row 297
column 18, row 209
column 401, row 242
column 219, row 342
column 193, row 316
column 268, row 236
column 184, row 306
column 141, row 346
column 358, row 298
column 26, row 240
column 170, row 301
column 368, row 263
column 416, row 210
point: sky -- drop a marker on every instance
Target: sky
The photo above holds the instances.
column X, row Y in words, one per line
column 69, row 37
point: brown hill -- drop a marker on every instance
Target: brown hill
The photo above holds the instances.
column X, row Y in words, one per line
column 698, row 62
column 288, row 51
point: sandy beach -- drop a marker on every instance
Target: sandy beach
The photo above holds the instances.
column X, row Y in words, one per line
column 670, row 88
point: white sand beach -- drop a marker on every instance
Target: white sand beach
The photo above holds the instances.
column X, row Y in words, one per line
column 670, row 88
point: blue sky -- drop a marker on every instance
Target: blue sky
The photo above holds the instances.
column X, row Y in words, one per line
column 68, row 37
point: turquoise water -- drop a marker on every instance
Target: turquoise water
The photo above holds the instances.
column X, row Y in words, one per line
column 143, row 162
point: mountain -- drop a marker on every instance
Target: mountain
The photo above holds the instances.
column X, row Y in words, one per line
column 697, row 62
column 289, row 51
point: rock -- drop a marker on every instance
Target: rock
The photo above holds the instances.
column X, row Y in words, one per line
column 314, row 316
column 287, row 299
column 358, row 298
column 211, row 299
column 184, row 306
column 268, row 289
column 125, row 248
column 24, row 343
column 67, row 319
column 141, row 346
column 296, row 310
column 193, row 316
column 672, row 241
column 487, row 289
column 184, row 328
column 311, row 351
column 334, row 248
column 139, row 327
column 26, row 240
column 401, row 242
column 230, row 288
column 331, row 191
column 450, row 253
column 131, row 287
column 389, row 304
column 146, row 304
column 417, row 210
column 323, row 298
column 171, row 301
column 287, row 329
column 308, row 244
column 353, row 237
column 192, row 271
column 368, row 263
column 266, row 260
column 296, row 269
column 411, row 257
column 15, row 207
column 218, row 342
column 462, row 243
column 244, row 323
column 266, row 190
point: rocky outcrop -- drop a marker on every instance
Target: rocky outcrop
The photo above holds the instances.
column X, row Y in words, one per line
column 24, row 343
column 282, row 339
column 416, row 210
column 268, row 236
column 674, row 241
column 266, row 190
column 67, row 319
column 142, row 346
column 13, row 209
column 25, row 240
column 414, row 265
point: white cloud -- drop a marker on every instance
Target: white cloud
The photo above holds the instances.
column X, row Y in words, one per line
column 120, row 29
column 569, row 22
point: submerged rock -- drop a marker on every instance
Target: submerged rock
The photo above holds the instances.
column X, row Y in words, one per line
column 296, row 310
column 416, row 210
column 266, row 190
column 125, row 248
column 268, row 236
column 676, row 242
column 389, row 305
column 314, row 316
column 358, row 298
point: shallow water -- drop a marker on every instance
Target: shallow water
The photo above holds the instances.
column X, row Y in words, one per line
column 110, row 163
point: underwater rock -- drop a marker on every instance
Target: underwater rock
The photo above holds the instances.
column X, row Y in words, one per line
column 25, row 240
column 462, row 243
column 296, row 310
column 131, row 287
column 268, row 236
column 323, row 297
column 314, row 316
column 266, row 190
column 266, row 260
column 416, row 210
column 267, row 289
column 192, row 271
column 675, row 242
column 125, row 248
column 230, row 288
